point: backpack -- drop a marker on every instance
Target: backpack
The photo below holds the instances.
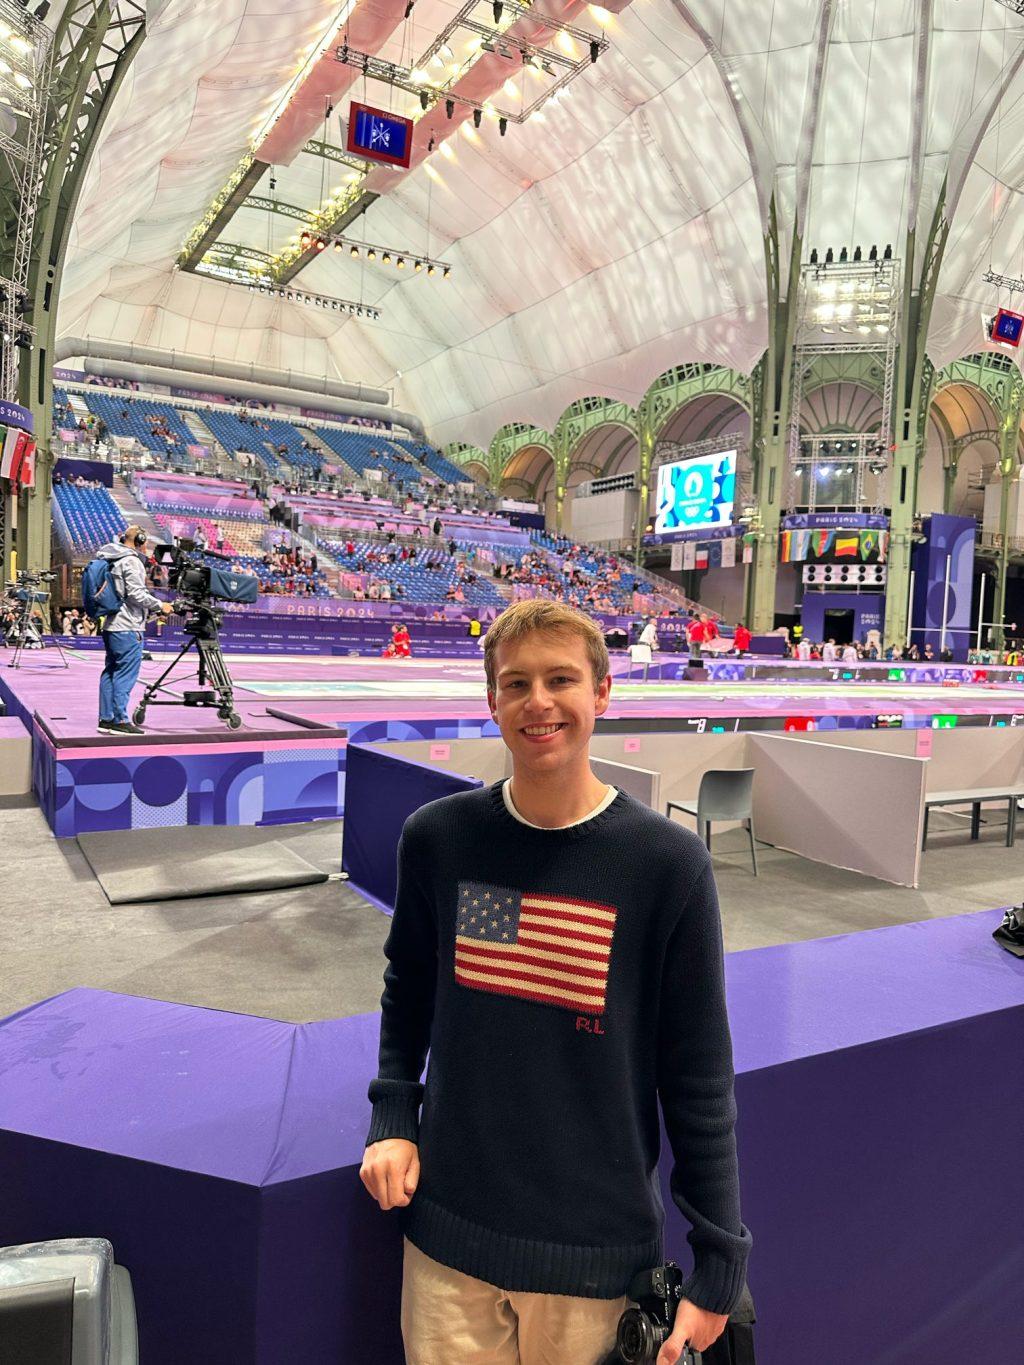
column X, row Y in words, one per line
column 99, row 595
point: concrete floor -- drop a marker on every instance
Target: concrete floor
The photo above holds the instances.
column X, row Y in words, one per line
column 315, row 952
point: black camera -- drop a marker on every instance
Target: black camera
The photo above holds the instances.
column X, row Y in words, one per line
column 644, row 1329
column 193, row 577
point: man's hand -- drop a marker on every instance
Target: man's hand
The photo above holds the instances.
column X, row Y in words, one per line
column 167, row 608
column 391, row 1172
column 694, row 1327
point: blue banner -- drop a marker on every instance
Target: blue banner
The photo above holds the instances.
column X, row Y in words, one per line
column 14, row 415
column 801, row 521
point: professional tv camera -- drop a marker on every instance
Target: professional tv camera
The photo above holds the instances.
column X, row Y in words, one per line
column 23, row 613
column 199, row 586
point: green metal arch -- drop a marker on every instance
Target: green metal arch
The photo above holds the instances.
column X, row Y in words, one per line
column 465, row 455
column 682, row 385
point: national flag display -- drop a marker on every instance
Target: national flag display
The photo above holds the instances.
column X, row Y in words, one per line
column 847, row 545
column 552, row 949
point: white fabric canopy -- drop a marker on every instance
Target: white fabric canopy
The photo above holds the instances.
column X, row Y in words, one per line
column 591, row 249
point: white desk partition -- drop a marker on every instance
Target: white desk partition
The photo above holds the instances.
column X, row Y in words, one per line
column 641, row 783
column 855, row 808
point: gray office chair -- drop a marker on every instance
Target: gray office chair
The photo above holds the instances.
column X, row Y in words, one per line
column 724, row 794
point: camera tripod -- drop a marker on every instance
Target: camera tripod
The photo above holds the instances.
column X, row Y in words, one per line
column 24, row 632
column 201, row 626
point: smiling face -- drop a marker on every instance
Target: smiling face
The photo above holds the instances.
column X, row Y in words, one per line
column 545, row 701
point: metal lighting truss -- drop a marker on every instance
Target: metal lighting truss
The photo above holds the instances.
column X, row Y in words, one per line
column 372, row 250
column 230, row 270
column 846, row 308
column 25, row 72
column 862, row 453
column 558, row 65
column 1015, row 286
column 1014, row 6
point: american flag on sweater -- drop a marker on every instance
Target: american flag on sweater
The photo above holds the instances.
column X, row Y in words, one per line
column 552, row 949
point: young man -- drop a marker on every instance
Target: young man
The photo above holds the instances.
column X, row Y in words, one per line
column 557, row 948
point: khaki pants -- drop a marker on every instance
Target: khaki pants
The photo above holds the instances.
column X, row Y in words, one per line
column 453, row 1319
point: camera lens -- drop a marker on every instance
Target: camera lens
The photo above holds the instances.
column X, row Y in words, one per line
column 639, row 1339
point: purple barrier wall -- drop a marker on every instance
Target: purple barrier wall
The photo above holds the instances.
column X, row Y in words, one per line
column 868, row 612
column 69, row 468
column 949, row 541
column 381, row 792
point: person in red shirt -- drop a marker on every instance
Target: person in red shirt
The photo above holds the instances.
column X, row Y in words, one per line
column 401, row 641
column 741, row 638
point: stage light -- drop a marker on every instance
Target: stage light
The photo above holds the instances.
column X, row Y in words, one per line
column 431, row 270
column 320, row 244
column 371, row 255
column 829, row 258
column 856, row 253
column 418, row 265
column 353, row 251
column 449, row 108
column 386, row 258
column 337, row 245
column 305, row 239
column 843, row 256
column 814, row 256
column 446, row 272
column 595, row 51
column 503, row 126
column 477, row 117
column 409, row 8
column 824, row 471
column 873, row 254
column 887, row 253
column 424, row 100
column 497, row 9
column 400, row 263
column 42, row 9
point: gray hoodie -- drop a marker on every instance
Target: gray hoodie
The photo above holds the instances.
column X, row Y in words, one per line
column 129, row 575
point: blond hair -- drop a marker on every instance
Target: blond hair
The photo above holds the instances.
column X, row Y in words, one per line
column 541, row 614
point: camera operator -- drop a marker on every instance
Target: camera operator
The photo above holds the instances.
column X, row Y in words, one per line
column 123, row 631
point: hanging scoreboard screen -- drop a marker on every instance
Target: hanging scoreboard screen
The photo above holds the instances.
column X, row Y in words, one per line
column 696, row 494
column 1007, row 327
column 379, row 136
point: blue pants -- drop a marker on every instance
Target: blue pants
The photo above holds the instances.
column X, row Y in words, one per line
column 120, row 672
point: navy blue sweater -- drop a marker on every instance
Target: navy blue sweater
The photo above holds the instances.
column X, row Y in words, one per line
column 564, row 981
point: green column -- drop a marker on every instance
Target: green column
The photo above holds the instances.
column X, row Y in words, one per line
column 1010, row 411
column 646, row 434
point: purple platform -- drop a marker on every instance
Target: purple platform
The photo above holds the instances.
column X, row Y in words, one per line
column 880, row 1080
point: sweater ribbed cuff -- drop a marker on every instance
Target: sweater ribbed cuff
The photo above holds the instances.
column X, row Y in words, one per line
column 716, row 1284
column 395, row 1116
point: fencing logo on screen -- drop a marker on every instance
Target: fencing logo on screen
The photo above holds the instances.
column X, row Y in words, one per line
column 693, row 494
column 555, row 950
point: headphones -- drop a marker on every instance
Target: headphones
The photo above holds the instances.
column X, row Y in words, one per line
column 138, row 540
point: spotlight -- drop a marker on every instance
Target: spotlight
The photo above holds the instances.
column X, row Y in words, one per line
column 503, row 126
column 595, row 50
column 43, row 9
column 400, row 263
column 887, row 253
column 446, row 272
column 371, row 255
column 449, row 108
column 856, row 253
column 477, row 117
column 320, row 244
column 408, row 8
column 418, row 265
column 814, row 256
column 431, row 270
column 424, row 100
column 386, row 258
column 353, row 251
column 873, row 254
column 337, row 245
column 843, row 256
column 829, row 258
column 497, row 8
column 305, row 239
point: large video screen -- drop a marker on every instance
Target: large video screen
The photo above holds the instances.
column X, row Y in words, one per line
column 698, row 493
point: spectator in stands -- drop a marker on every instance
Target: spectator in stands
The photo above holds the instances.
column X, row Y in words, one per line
column 124, row 630
column 929, row 653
